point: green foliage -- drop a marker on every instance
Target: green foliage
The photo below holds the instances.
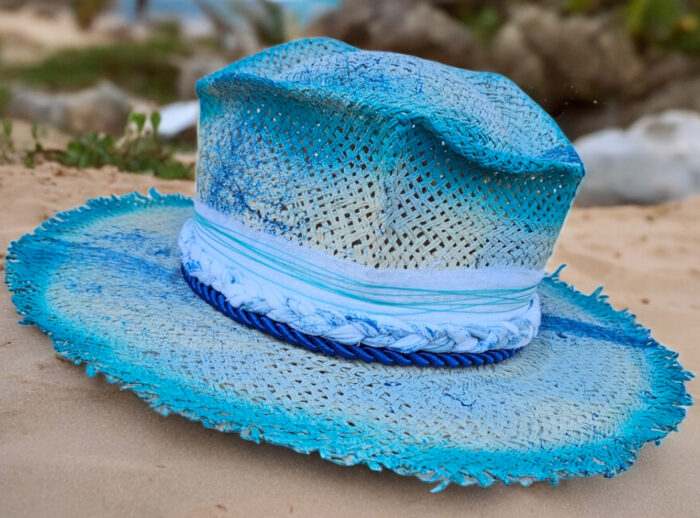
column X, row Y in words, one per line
column 90, row 150
column 138, row 150
column 667, row 24
column 30, row 157
column 6, row 144
column 671, row 24
column 581, row 6
column 484, row 21
column 686, row 33
column 651, row 18
column 85, row 11
column 155, row 121
column 5, row 97
column 144, row 68
column 271, row 27
column 139, row 119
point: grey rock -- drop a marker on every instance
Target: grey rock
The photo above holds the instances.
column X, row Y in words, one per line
column 409, row 27
column 585, row 69
column 177, row 118
column 560, row 58
column 426, row 31
column 103, row 108
column 656, row 160
column 679, row 94
column 513, row 56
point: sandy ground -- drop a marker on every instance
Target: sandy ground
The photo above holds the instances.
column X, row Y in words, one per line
column 28, row 35
column 76, row 446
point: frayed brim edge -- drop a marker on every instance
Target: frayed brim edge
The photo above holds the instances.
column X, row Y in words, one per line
column 661, row 412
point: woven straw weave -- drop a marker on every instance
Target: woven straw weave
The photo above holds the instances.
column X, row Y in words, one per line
column 104, row 282
column 384, row 159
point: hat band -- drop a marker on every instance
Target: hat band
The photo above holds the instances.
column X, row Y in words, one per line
column 453, row 310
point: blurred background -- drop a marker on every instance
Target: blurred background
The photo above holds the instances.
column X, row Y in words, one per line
column 94, row 82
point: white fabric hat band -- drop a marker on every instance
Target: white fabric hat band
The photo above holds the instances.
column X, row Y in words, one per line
column 454, row 310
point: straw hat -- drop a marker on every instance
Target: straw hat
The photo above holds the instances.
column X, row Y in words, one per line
column 360, row 275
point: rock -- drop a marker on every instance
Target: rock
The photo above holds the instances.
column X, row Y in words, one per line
column 681, row 94
column 561, row 58
column 410, row 27
column 36, row 106
column 656, row 160
column 192, row 70
column 103, row 108
column 583, row 68
column 580, row 119
column 512, row 56
column 236, row 26
column 426, row 31
column 177, row 118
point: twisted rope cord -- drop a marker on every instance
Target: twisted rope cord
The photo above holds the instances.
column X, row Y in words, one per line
column 284, row 332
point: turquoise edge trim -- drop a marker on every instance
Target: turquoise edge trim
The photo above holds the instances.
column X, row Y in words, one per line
column 662, row 412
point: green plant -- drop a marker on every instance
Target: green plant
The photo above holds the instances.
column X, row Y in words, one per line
column 30, row 156
column 85, row 11
column 144, row 68
column 5, row 98
column 137, row 150
column 484, row 21
column 673, row 24
column 6, row 144
column 90, row 150
column 35, row 137
column 580, row 6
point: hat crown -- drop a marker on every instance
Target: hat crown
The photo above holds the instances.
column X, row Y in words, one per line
column 386, row 160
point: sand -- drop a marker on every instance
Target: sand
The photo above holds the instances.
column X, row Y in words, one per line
column 76, row 446
column 28, row 35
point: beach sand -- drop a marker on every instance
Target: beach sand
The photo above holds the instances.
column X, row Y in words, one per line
column 29, row 36
column 76, row 446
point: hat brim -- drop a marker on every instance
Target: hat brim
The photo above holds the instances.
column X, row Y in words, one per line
column 104, row 282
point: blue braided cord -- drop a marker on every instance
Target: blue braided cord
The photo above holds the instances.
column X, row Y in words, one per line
column 366, row 353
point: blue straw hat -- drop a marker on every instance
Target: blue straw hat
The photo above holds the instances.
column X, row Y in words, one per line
column 360, row 275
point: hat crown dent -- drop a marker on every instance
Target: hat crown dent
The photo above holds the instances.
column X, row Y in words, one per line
column 386, row 160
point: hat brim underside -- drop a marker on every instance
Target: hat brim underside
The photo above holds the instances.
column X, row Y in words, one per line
column 104, row 282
